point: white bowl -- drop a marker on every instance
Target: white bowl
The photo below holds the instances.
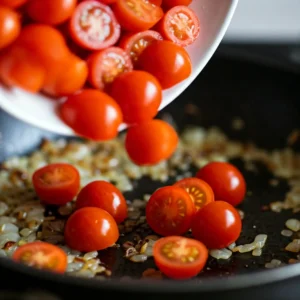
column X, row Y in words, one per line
column 40, row 111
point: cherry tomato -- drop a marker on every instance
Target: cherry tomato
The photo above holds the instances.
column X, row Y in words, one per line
column 107, row 1
column 168, row 62
column 106, row 65
column 135, row 43
column 19, row 68
column 151, row 142
column 91, row 229
column 143, row 96
column 69, row 77
column 171, row 3
column 92, row 114
column 42, row 255
column 10, row 26
column 217, row 225
column 169, row 211
column 13, row 3
column 156, row 2
column 179, row 257
column 180, row 25
column 137, row 15
column 51, row 11
column 56, row 184
column 226, row 181
column 200, row 192
column 104, row 195
column 94, row 26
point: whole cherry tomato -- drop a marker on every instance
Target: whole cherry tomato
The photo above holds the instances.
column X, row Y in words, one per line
column 168, row 62
column 217, row 225
column 179, row 257
column 56, row 184
column 151, row 142
column 143, row 96
column 138, row 16
column 10, row 26
column 171, row 3
column 226, row 180
column 92, row 114
column 42, row 255
column 104, row 195
column 13, row 3
column 91, row 229
column 169, row 211
column 51, row 12
column 200, row 192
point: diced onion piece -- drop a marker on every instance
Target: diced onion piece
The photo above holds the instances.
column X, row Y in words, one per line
column 294, row 246
column 220, row 253
column 293, row 224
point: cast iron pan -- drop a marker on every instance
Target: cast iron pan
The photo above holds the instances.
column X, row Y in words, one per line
column 267, row 100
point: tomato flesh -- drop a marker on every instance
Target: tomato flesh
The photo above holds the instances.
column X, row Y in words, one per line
column 42, row 255
column 106, row 65
column 169, row 211
column 179, row 257
column 56, row 184
column 94, row 26
column 200, row 192
column 217, row 225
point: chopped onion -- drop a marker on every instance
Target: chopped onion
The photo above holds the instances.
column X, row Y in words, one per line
column 138, row 258
column 293, row 224
column 294, row 246
column 220, row 253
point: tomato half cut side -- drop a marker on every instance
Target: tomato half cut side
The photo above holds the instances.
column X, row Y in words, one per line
column 180, row 25
column 42, row 255
column 135, row 43
column 137, row 15
column 200, row 192
column 94, row 26
column 169, row 211
column 179, row 257
column 56, row 184
column 106, row 65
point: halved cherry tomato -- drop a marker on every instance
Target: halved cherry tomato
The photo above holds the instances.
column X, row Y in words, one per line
column 156, row 2
column 19, row 68
column 135, row 43
column 143, row 96
column 104, row 195
column 137, row 15
column 179, row 257
column 180, row 25
column 151, row 142
column 10, row 26
column 226, row 180
column 42, row 255
column 91, row 229
column 51, row 11
column 200, row 192
column 69, row 77
column 13, row 3
column 168, row 62
column 94, row 26
column 217, row 225
column 169, row 211
column 171, row 3
column 92, row 114
column 106, row 65
column 56, row 184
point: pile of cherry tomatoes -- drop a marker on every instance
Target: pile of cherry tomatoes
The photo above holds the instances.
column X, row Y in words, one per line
column 204, row 204
column 108, row 60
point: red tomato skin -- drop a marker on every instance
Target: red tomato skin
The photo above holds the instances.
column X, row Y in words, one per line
column 143, row 96
column 107, row 1
column 176, row 270
column 10, row 26
column 51, row 12
column 156, row 2
column 217, row 225
column 58, row 195
column 13, row 3
column 156, row 141
column 168, row 62
column 226, row 181
column 92, row 114
column 103, row 195
column 91, row 229
column 167, row 4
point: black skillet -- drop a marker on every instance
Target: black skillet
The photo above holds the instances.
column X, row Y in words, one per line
column 267, row 100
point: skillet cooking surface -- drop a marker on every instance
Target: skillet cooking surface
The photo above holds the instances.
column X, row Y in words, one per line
column 267, row 101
